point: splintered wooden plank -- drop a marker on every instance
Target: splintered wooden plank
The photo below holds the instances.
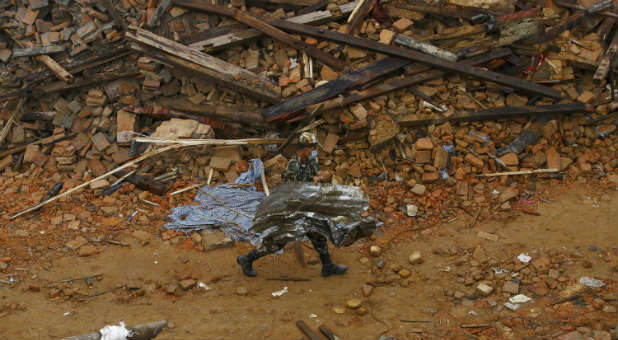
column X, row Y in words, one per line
column 46, row 60
column 227, row 74
column 225, row 40
column 37, row 50
column 501, row 113
column 423, row 58
column 333, row 88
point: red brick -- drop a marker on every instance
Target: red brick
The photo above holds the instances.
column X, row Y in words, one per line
column 510, row 159
column 475, row 161
column 424, row 143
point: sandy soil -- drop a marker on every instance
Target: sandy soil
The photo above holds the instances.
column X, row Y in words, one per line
column 577, row 231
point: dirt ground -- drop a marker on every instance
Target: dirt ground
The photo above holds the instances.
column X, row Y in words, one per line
column 577, row 231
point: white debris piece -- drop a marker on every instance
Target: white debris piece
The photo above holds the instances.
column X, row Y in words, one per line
column 511, row 306
column 590, row 282
column 524, row 258
column 203, row 285
column 280, row 292
column 411, row 210
column 119, row 332
column 519, row 298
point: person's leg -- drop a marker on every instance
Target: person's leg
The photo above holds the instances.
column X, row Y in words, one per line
column 320, row 243
column 246, row 261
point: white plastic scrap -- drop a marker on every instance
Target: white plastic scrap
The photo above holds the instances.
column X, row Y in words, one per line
column 203, row 285
column 511, row 306
column 499, row 271
column 313, row 315
column 524, row 258
column 495, row 192
column 590, row 282
column 519, row 298
column 119, row 332
column 293, row 63
column 280, row 292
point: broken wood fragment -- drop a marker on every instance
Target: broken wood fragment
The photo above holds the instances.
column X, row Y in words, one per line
column 501, row 113
column 358, row 14
column 50, row 63
column 9, row 123
column 310, row 333
column 423, row 58
column 521, row 172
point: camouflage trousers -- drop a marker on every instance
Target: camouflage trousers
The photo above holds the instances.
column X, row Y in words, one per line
column 320, row 244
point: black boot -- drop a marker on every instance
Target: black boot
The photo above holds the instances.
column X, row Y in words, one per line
column 329, row 268
column 246, row 262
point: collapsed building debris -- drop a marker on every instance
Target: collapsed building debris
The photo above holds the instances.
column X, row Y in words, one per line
column 118, row 113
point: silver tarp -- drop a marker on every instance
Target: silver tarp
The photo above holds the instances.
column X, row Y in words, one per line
column 290, row 212
column 295, row 209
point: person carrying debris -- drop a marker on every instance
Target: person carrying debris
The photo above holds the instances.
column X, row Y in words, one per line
column 302, row 168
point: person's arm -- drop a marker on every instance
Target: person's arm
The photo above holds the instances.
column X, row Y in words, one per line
column 291, row 169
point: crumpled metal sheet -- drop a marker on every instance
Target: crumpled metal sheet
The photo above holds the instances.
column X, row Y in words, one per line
column 294, row 210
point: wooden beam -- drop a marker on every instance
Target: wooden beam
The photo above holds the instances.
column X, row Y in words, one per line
column 227, row 74
column 231, row 114
column 400, row 83
column 500, row 113
column 279, row 35
column 220, row 41
column 333, row 88
column 394, row 51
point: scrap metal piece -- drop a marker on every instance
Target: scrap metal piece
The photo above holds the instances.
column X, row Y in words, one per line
column 424, row 47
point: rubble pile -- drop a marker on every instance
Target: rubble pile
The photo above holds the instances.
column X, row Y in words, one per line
column 434, row 109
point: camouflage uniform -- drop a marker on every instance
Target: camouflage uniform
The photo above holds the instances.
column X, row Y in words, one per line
column 300, row 172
